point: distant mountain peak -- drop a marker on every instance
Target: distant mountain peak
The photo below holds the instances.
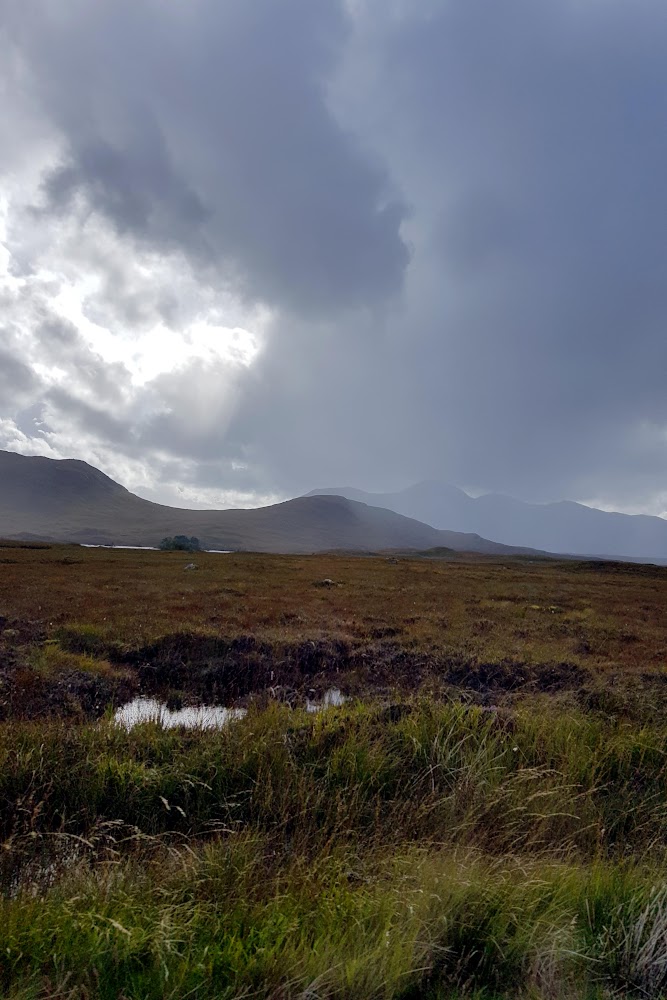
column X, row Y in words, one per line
column 561, row 526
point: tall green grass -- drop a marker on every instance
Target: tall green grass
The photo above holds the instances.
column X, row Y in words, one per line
column 572, row 784
column 233, row 918
column 439, row 852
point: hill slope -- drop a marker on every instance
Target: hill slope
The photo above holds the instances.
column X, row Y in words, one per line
column 71, row 501
column 557, row 527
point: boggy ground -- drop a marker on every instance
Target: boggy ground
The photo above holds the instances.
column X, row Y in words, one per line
column 485, row 817
column 81, row 629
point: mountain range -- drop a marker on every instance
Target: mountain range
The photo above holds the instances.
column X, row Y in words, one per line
column 71, row 501
column 566, row 526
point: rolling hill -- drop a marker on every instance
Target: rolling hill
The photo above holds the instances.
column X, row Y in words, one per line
column 566, row 526
column 70, row 501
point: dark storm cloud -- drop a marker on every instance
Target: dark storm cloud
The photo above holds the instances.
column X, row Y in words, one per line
column 529, row 353
column 204, row 128
column 273, row 149
column 534, row 137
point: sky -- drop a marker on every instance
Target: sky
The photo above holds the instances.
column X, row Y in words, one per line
column 253, row 247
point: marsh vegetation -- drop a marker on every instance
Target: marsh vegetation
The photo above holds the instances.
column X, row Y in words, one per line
column 485, row 815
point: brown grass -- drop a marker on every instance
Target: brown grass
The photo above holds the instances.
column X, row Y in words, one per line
column 590, row 634
column 487, row 608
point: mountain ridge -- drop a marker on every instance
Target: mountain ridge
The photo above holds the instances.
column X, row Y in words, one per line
column 565, row 526
column 67, row 500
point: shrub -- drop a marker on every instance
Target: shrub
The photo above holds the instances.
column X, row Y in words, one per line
column 180, row 543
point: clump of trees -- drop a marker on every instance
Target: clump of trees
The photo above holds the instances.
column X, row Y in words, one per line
column 180, row 543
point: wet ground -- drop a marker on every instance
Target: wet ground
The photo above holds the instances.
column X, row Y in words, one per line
column 185, row 671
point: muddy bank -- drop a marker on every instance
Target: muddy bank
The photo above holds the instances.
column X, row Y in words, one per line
column 76, row 695
column 227, row 671
column 35, row 687
column 511, row 675
column 218, row 669
column 223, row 670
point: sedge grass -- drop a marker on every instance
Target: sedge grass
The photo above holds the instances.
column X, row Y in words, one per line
column 450, row 851
column 237, row 918
column 573, row 785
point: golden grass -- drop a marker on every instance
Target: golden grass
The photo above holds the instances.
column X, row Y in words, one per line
column 487, row 608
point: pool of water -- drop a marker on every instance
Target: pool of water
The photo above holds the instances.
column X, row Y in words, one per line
column 192, row 717
column 333, row 698
column 201, row 716
column 147, row 548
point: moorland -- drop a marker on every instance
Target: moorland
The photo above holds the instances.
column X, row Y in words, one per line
column 485, row 815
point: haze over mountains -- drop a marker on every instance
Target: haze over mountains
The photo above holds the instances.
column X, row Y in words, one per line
column 565, row 526
column 68, row 500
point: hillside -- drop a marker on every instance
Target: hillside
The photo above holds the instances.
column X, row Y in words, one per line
column 71, row 501
column 565, row 526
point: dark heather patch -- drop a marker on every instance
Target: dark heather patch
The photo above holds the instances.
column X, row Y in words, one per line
column 509, row 675
column 221, row 670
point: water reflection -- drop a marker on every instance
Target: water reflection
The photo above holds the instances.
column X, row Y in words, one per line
column 192, row 717
column 201, row 716
column 333, row 698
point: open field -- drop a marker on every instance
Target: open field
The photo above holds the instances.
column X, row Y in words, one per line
column 485, row 816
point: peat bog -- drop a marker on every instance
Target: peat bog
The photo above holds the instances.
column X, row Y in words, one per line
column 483, row 814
